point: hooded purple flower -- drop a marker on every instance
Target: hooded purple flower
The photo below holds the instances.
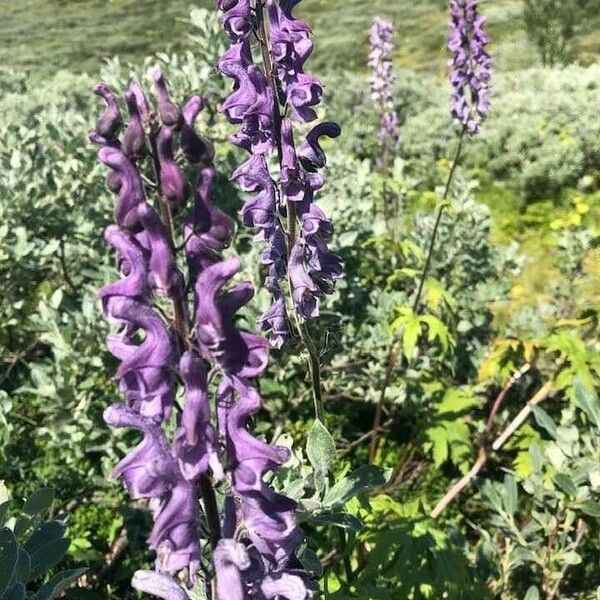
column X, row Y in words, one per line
column 470, row 65
column 151, row 471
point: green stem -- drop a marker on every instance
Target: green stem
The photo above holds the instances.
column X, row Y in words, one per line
column 394, row 353
column 437, row 223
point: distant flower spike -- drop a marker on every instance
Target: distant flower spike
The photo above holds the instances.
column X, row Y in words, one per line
column 470, row 67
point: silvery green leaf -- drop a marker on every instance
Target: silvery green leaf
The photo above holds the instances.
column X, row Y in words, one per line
column 544, row 420
column 510, row 494
column 565, row 483
column 532, row 594
column 320, row 448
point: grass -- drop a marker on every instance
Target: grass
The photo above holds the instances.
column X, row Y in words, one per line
column 46, row 35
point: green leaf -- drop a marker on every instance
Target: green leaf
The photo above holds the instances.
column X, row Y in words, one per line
column 364, row 478
column 47, row 556
column 532, row 594
column 320, row 448
column 9, row 555
column 39, row 501
column 587, row 400
column 343, row 520
column 310, row 561
column 457, row 400
column 544, row 420
column 571, row 558
column 412, row 330
column 22, row 524
column 58, row 583
column 44, row 534
column 565, row 483
column 23, row 568
column 590, row 508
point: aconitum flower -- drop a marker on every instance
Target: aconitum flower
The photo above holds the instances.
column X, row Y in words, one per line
column 158, row 346
column 470, row 66
column 281, row 208
column 382, row 86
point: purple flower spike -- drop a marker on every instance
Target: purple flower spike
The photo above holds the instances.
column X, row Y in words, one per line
column 173, row 184
column 159, row 585
column 134, row 144
column 382, row 87
column 266, row 108
column 470, row 65
column 159, row 347
column 169, row 114
column 110, row 122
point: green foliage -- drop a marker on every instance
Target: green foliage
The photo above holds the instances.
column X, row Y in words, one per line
column 553, row 24
column 30, row 548
column 514, row 279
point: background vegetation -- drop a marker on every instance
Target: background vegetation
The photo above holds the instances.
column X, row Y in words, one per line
column 515, row 287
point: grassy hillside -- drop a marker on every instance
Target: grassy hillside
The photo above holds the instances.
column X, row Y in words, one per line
column 44, row 35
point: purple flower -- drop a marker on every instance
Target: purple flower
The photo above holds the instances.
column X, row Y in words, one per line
column 156, row 349
column 173, row 184
column 144, row 374
column 158, row 584
column 470, row 65
column 382, row 87
column 110, row 122
column 236, row 18
column 195, row 444
column 169, row 113
column 134, row 139
column 258, row 104
column 196, row 148
column 130, row 188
